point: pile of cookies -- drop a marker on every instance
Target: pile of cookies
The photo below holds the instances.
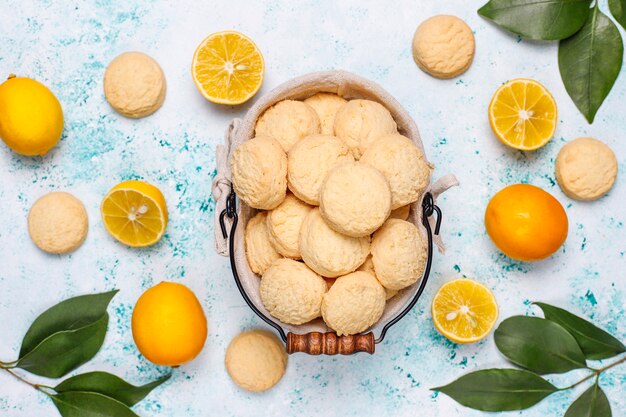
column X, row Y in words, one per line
column 333, row 180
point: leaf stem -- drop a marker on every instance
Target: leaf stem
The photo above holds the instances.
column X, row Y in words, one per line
column 38, row 387
column 596, row 373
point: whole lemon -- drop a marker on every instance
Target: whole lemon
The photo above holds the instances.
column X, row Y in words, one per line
column 169, row 326
column 31, row 118
column 525, row 222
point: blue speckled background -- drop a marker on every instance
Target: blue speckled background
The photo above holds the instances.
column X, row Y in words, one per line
column 67, row 45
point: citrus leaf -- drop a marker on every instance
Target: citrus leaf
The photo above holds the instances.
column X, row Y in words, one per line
column 110, row 386
column 539, row 345
column 70, row 314
column 590, row 62
column 65, row 351
column 594, row 342
column 538, row 19
column 499, row 389
column 618, row 10
column 90, row 404
column 592, row 403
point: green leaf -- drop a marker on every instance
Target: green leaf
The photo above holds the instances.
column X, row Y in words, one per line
column 71, row 314
column 89, row 404
column 538, row 19
column 590, row 62
column 592, row 403
column 539, row 345
column 499, row 389
column 618, row 10
column 109, row 385
column 594, row 342
column 65, row 351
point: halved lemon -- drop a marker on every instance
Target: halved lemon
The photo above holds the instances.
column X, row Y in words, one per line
column 134, row 213
column 464, row 310
column 523, row 114
column 228, row 68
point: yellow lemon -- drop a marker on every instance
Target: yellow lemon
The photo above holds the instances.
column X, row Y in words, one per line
column 464, row 310
column 523, row 114
column 169, row 325
column 134, row 212
column 228, row 68
column 31, row 118
column 525, row 222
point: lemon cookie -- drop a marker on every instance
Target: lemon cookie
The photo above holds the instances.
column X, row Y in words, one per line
column 57, row 222
column 134, row 85
column 443, row 46
column 259, row 170
column 354, row 303
column 326, row 106
column 398, row 254
column 259, row 251
column 368, row 266
column 327, row 252
column 291, row 292
column 309, row 162
column 283, row 224
column 256, row 360
column 361, row 122
column 401, row 213
column 586, row 169
column 355, row 199
column 404, row 166
column 288, row 121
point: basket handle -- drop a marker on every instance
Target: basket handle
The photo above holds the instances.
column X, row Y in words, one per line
column 316, row 343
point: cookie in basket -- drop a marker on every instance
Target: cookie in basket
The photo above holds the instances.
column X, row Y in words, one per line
column 401, row 213
column 326, row 106
column 283, row 225
column 368, row 266
column 259, row 251
column 288, row 121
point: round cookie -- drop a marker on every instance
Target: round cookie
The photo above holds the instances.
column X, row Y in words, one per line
column 360, row 122
column 309, row 162
column 401, row 213
column 368, row 266
column 288, row 121
column 134, row 85
column 283, row 224
column 327, row 252
column 326, row 106
column 354, row 303
column 291, row 292
column 398, row 254
column 355, row 199
column 586, row 169
column 443, row 46
column 404, row 166
column 57, row 222
column 259, row 251
column 256, row 360
column 259, row 170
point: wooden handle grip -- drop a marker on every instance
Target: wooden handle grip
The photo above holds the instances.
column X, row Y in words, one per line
column 316, row 343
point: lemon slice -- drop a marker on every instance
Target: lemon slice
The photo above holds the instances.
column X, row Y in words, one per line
column 464, row 310
column 523, row 114
column 134, row 212
column 227, row 68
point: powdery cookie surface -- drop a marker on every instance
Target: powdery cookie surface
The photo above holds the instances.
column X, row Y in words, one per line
column 256, row 360
column 259, row 170
column 259, row 251
column 327, row 252
column 134, row 84
column 288, row 121
column 57, row 223
column 309, row 162
column 360, row 122
column 368, row 266
column 586, row 169
column 443, row 46
column 291, row 292
column 326, row 106
column 355, row 199
column 283, row 224
column 402, row 164
column 398, row 254
column 353, row 303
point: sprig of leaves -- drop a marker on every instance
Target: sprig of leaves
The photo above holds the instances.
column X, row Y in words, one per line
column 590, row 46
column 62, row 339
column 558, row 343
